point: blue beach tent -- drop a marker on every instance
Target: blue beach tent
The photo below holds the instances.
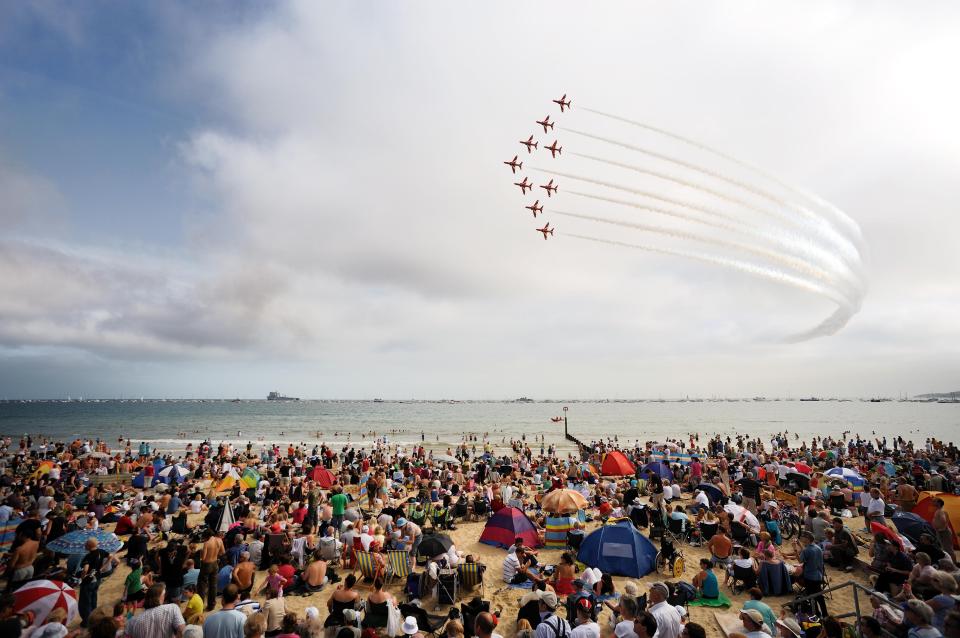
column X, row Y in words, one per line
column 618, row 548
column 659, row 468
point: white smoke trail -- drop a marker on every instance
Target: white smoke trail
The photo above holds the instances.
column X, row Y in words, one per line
column 850, row 250
column 676, row 202
column 796, row 246
column 839, row 216
column 828, row 326
column 798, row 265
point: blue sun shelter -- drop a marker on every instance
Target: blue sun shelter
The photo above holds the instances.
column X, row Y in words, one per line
column 618, row 548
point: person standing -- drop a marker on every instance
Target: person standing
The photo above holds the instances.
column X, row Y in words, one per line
column 158, row 620
column 811, row 561
column 209, row 567
column 338, row 503
column 941, row 524
column 90, row 567
column 228, row 622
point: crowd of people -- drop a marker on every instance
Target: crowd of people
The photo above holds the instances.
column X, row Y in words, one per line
column 232, row 535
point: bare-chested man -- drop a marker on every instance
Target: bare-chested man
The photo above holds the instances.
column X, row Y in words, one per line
column 243, row 574
column 209, row 566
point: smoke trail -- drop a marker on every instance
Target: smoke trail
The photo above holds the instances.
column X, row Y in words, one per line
column 828, row 326
column 852, row 227
column 788, row 262
column 851, row 251
column 648, row 194
column 796, row 246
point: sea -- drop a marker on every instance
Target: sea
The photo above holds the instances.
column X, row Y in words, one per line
column 168, row 425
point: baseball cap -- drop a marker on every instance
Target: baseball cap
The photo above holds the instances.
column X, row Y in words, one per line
column 548, row 598
column 584, row 603
column 754, row 615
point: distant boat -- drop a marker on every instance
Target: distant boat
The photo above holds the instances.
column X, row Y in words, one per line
column 811, row 399
column 378, row 400
column 234, row 400
column 276, row 396
column 523, row 400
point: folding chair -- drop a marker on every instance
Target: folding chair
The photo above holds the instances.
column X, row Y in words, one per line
column 678, row 529
column 471, row 575
column 745, row 576
column 369, row 570
column 398, row 564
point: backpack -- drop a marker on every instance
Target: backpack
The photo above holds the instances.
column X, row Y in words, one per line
column 682, row 593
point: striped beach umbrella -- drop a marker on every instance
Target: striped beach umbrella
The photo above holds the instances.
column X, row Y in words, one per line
column 43, row 596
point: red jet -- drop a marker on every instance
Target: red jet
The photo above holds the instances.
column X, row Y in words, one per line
column 524, row 185
column 534, row 208
column 554, row 149
column 546, row 230
column 546, row 123
column 530, row 144
column 549, row 187
column 514, row 165
column 563, row 103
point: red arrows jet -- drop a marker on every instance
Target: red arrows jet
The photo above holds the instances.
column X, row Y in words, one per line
column 549, row 187
column 514, row 165
column 524, row 185
column 546, row 230
column 554, row 149
column 546, row 123
column 563, row 103
column 535, row 208
column 530, row 144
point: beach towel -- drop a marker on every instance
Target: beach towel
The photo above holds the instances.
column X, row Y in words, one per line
column 719, row 601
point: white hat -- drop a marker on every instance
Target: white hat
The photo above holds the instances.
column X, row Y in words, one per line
column 409, row 626
column 681, row 610
column 312, row 612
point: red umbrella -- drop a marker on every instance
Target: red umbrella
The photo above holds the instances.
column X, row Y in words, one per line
column 43, row 596
column 803, row 467
column 323, row 477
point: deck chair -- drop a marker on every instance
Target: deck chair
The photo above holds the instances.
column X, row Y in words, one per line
column 743, row 579
column 438, row 518
column 471, row 575
column 398, row 564
column 369, row 570
column 418, row 516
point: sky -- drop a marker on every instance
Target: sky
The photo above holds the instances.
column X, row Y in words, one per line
column 228, row 198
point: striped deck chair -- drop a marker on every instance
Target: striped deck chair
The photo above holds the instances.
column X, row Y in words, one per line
column 398, row 564
column 556, row 533
column 471, row 575
column 368, row 568
column 8, row 532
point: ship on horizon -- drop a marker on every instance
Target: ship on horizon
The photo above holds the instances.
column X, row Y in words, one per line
column 276, row 396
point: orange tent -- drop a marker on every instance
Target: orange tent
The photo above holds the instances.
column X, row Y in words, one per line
column 616, row 464
column 925, row 509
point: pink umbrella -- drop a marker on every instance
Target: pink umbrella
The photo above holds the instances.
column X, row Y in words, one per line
column 43, row 596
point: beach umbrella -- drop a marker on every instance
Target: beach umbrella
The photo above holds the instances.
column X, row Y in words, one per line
column 173, row 472
column 323, row 477
column 434, row 545
column 250, row 477
column 846, row 473
column 445, row 458
column 72, row 543
column 43, row 596
column 563, row 502
column 888, row 468
column 877, row 528
column 714, row 493
column 742, row 515
column 802, row 481
column 802, row 467
column 587, row 467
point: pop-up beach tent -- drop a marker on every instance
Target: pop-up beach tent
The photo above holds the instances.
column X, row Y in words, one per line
column 620, row 549
column 504, row 527
column 616, row 464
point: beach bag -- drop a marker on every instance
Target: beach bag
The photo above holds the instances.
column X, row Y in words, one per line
column 394, row 621
column 682, row 593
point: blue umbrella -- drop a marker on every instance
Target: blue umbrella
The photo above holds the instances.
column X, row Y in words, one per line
column 73, row 543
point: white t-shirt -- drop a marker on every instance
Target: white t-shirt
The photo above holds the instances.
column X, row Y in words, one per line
column 624, row 629
column 668, row 620
column 586, row 630
column 876, row 506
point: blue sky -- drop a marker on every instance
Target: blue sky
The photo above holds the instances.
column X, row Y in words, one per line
column 227, row 198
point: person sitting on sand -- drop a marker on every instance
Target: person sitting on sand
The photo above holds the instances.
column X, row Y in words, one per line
column 706, row 581
column 517, row 568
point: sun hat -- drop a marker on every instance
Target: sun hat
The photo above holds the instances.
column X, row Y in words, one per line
column 753, row 614
column 791, row 626
column 548, row 598
column 401, row 522
column 409, row 626
column 312, row 612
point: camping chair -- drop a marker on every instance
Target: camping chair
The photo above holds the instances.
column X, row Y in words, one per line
column 838, row 503
column 180, row 525
column 774, row 579
column 425, row 622
column 707, row 530
column 677, row 530
column 739, row 533
column 743, row 578
column 469, row 612
column 439, row 518
column 369, row 569
column 480, row 508
column 460, row 509
column 418, row 516
column 398, row 564
column 657, row 526
column 471, row 575
column 640, row 517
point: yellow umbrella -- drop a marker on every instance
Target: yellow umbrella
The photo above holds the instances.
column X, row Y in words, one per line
column 563, row 502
